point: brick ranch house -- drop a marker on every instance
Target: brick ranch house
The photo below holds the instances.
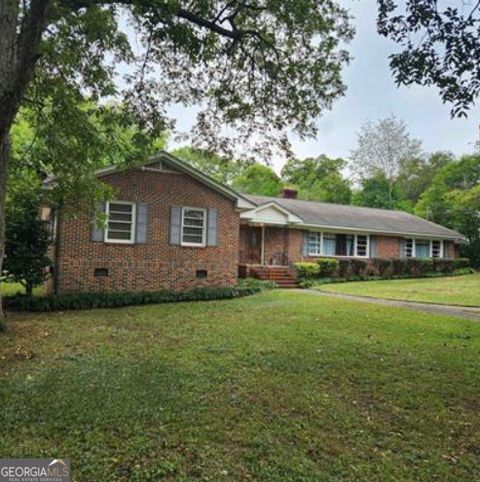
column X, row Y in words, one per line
column 172, row 227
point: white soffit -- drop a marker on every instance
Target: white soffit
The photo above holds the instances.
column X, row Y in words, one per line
column 271, row 213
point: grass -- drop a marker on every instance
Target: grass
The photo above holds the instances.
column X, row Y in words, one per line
column 7, row 289
column 280, row 386
column 457, row 290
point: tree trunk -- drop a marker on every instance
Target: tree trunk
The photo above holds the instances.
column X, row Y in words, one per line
column 4, row 155
column 29, row 289
column 20, row 37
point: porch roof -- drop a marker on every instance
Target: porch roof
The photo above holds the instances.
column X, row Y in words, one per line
column 327, row 215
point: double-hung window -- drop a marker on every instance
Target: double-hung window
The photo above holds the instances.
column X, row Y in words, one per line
column 361, row 245
column 436, row 248
column 407, row 248
column 194, row 226
column 314, row 244
column 120, row 222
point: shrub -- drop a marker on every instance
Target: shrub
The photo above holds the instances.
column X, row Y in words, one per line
column 327, row 267
column 354, row 268
column 79, row 301
column 306, row 269
column 425, row 266
column 460, row 263
column 345, row 268
column 359, row 266
column 256, row 284
column 383, row 266
column 443, row 266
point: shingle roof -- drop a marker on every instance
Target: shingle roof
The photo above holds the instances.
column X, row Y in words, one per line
column 354, row 217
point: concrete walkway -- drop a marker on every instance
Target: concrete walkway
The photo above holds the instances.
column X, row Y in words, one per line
column 450, row 310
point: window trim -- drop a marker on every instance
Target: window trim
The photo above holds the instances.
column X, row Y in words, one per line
column 319, row 235
column 133, row 223
column 440, row 253
column 430, row 241
column 355, row 247
column 367, row 246
column 203, row 244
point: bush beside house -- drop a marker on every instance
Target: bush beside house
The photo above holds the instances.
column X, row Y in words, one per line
column 377, row 268
column 80, row 301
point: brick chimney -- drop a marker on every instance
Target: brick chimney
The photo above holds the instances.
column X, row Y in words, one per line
column 289, row 193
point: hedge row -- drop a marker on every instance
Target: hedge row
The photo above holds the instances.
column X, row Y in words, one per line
column 308, row 283
column 377, row 267
column 81, row 301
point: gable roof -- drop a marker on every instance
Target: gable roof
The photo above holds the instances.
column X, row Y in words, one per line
column 339, row 216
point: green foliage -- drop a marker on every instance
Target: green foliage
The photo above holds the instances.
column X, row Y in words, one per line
column 258, row 179
column 220, row 168
column 318, row 179
column 27, row 239
column 306, row 269
column 256, row 283
column 453, row 199
column 375, row 192
column 442, row 58
column 378, row 268
column 327, row 267
column 416, row 175
column 82, row 301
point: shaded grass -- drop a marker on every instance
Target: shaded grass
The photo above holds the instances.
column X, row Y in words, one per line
column 458, row 290
column 281, row 386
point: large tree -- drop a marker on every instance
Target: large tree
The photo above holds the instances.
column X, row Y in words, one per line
column 258, row 179
column 375, row 192
column 221, row 168
column 319, row 179
column 439, row 46
column 453, row 199
column 382, row 148
column 254, row 66
column 416, row 174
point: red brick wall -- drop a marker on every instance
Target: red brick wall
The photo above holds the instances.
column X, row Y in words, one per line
column 276, row 245
column 277, row 241
column 157, row 264
column 387, row 247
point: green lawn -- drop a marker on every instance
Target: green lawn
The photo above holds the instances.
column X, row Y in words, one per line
column 455, row 290
column 282, row 386
column 7, row 289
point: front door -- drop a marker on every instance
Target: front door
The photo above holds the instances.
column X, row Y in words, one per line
column 254, row 245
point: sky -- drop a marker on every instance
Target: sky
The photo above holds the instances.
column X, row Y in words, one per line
column 372, row 94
